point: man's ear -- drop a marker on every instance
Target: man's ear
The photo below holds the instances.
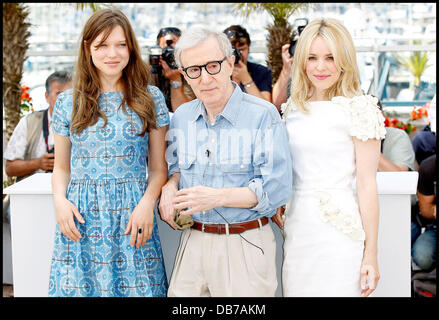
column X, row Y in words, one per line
column 231, row 60
column 183, row 73
column 47, row 96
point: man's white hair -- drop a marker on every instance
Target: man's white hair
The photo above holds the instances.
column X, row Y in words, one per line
column 196, row 35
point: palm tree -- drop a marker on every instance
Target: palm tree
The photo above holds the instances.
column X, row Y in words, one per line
column 15, row 45
column 416, row 63
column 280, row 31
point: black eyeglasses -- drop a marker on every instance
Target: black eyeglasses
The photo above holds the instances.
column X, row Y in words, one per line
column 212, row 68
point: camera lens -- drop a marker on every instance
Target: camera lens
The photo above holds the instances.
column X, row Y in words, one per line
column 292, row 48
column 168, row 56
column 154, row 55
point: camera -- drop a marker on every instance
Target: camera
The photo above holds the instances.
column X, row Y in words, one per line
column 167, row 54
column 300, row 28
column 154, row 58
column 237, row 54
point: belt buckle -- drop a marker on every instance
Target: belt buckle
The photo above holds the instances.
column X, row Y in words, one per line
column 202, row 227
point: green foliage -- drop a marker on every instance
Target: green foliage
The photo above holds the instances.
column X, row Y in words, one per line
column 416, row 63
column 93, row 6
column 280, row 12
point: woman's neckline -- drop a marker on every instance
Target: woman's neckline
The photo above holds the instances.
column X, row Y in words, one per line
column 319, row 101
column 111, row 92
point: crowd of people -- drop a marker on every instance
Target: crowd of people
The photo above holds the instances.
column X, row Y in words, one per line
column 218, row 151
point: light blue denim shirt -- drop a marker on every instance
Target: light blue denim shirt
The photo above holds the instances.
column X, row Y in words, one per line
column 247, row 146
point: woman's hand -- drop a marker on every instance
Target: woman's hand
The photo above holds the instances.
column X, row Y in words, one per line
column 140, row 224
column 369, row 275
column 65, row 211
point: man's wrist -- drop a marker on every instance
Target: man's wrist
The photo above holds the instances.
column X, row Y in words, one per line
column 247, row 84
column 221, row 198
column 286, row 72
column 36, row 163
column 175, row 84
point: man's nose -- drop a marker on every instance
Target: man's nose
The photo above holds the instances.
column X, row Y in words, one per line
column 205, row 76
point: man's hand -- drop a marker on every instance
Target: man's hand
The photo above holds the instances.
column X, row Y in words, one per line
column 277, row 218
column 168, row 72
column 240, row 73
column 196, row 199
column 166, row 206
column 287, row 60
column 46, row 161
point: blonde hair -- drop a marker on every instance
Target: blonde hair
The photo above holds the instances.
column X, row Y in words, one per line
column 134, row 80
column 342, row 48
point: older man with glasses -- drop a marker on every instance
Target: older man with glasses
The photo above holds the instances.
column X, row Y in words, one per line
column 229, row 168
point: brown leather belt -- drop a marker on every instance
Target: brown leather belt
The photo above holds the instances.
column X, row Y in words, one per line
column 233, row 227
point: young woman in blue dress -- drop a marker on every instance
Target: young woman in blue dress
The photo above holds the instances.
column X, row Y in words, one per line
column 109, row 169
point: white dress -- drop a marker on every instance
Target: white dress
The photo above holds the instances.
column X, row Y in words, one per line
column 324, row 237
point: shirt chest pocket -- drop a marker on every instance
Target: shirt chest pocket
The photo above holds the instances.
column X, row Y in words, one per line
column 188, row 169
column 237, row 175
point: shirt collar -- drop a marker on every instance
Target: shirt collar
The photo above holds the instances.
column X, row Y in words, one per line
column 230, row 111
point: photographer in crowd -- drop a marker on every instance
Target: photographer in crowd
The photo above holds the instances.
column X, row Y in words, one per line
column 253, row 78
column 164, row 71
column 281, row 89
column 30, row 148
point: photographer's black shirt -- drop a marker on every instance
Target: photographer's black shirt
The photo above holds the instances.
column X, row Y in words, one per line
column 261, row 77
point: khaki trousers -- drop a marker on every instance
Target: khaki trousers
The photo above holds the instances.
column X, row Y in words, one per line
column 225, row 265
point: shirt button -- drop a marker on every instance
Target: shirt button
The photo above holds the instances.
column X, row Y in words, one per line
column 204, row 212
column 242, row 166
column 213, row 140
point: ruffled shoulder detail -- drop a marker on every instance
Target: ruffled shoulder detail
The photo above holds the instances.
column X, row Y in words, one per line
column 287, row 107
column 367, row 118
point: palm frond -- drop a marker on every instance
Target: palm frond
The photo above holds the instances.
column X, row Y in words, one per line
column 416, row 63
column 280, row 12
column 92, row 5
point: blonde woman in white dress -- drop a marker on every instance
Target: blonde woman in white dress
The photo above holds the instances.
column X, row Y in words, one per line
column 330, row 224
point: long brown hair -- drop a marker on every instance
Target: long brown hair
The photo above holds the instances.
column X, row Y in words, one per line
column 134, row 80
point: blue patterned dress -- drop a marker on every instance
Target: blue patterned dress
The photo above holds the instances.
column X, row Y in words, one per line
column 107, row 180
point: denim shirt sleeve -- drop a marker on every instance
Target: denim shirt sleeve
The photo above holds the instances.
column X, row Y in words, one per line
column 272, row 161
column 171, row 150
